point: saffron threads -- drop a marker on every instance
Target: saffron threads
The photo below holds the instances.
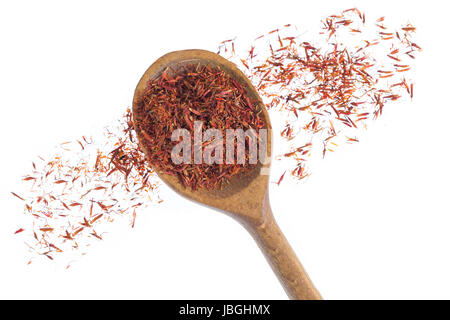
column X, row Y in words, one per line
column 327, row 89
column 179, row 98
column 71, row 197
column 322, row 91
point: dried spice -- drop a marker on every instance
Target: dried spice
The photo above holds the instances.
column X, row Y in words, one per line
column 323, row 92
column 179, row 98
column 71, row 197
column 327, row 89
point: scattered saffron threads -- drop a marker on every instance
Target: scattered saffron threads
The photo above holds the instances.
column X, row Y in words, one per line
column 329, row 88
column 324, row 90
column 71, row 197
column 202, row 94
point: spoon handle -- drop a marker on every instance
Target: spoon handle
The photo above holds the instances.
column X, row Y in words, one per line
column 282, row 258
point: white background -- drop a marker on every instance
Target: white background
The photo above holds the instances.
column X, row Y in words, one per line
column 371, row 222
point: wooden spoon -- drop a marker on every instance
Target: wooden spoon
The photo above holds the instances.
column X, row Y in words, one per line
column 246, row 199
